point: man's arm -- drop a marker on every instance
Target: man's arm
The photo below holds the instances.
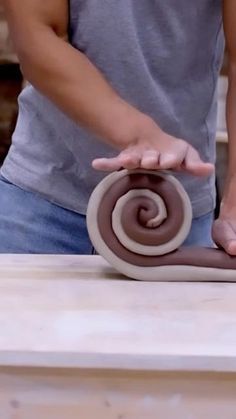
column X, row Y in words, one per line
column 224, row 230
column 72, row 82
column 230, row 33
column 66, row 76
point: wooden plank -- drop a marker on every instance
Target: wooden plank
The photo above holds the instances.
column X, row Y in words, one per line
column 72, row 311
column 58, row 394
column 54, row 266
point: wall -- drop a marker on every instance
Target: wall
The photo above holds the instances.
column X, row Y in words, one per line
column 10, row 86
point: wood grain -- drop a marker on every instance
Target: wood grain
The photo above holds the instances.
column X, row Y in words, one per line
column 72, row 311
column 80, row 341
column 58, row 394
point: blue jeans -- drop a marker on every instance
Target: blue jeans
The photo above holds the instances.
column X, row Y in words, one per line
column 31, row 224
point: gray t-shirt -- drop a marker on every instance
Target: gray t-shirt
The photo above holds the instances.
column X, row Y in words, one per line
column 163, row 57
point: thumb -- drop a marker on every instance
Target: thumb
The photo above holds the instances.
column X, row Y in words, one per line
column 224, row 235
column 195, row 165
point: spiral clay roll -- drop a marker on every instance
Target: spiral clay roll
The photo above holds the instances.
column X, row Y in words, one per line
column 138, row 221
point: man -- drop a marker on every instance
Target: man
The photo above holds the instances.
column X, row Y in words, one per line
column 114, row 84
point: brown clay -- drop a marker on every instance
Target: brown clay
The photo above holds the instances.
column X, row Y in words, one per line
column 134, row 220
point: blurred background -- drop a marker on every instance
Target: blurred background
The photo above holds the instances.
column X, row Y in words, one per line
column 11, row 84
column 10, row 87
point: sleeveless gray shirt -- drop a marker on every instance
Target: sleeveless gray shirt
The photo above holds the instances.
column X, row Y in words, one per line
column 163, row 57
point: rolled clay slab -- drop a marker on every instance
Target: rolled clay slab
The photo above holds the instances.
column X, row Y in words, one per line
column 138, row 220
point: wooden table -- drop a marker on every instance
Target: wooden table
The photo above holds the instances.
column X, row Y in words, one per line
column 78, row 341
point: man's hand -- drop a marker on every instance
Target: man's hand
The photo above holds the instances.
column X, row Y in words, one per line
column 224, row 234
column 153, row 149
column 224, row 229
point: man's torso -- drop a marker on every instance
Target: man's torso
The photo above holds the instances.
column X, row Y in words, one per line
column 163, row 57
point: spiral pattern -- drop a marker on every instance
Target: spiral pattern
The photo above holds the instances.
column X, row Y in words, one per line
column 137, row 220
column 135, row 216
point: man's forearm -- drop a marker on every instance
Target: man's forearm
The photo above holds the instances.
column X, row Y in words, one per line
column 229, row 199
column 231, row 121
column 228, row 205
column 72, row 82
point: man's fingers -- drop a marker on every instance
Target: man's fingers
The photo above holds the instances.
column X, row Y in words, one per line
column 199, row 169
column 123, row 160
column 194, row 165
column 231, row 248
column 224, row 236
column 150, row 160
column 170, row 161
column 107, row 165
column 185, row 158
column 130, row 160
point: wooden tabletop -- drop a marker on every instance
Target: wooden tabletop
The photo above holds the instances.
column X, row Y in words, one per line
column 76, row 311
